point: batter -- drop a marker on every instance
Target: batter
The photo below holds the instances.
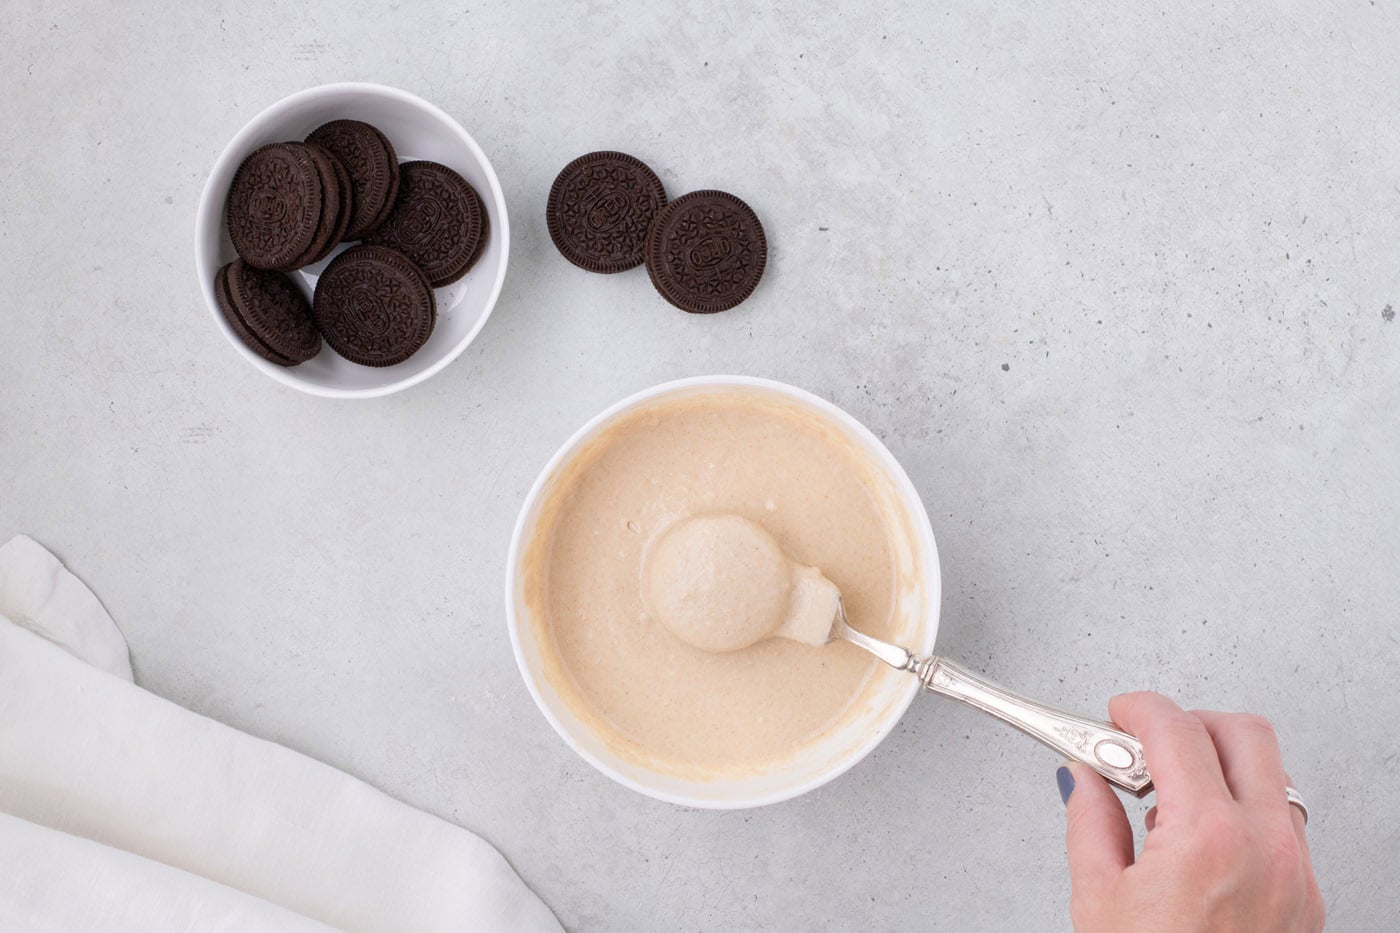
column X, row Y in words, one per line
column 673, row 548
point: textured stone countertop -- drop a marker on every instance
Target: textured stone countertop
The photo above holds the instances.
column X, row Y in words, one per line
column 1117, row 284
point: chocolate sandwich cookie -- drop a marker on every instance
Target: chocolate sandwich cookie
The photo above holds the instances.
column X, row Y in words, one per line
column 347, row 199
column 599, row 209
column 274, row 206
column 267, row 312
column 236, row 324
column 706, row 252
column 339, row 182
column 331, row 224
column 438, row 222
column 373, row 166
column 374, row 306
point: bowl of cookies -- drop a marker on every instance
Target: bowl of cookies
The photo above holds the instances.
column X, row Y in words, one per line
column 351, row 240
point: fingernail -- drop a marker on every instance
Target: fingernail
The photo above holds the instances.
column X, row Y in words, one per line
column 1065, row 779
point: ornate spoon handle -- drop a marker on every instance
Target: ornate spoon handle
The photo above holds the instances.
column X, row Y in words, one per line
column 1111, row 752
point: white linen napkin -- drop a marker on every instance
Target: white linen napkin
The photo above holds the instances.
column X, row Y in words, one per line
column 51, row 881
column 93, row 755
column 39, row 594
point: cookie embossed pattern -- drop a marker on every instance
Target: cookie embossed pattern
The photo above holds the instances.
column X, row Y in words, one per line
column 426, row 223
column 268, row 312
column 419, row 131
column 369, row 158
column 706, row 252
column 374, row 307
column 276, row 198
column 600, row 207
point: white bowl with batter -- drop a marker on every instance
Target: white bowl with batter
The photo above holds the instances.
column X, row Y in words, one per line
column 876, row 706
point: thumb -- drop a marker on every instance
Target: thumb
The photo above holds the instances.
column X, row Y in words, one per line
column 1097, row 834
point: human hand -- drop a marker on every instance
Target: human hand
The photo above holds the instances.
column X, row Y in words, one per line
column 1225, row 851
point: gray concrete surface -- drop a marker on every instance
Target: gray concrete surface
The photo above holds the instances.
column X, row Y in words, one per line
column 1116, row 282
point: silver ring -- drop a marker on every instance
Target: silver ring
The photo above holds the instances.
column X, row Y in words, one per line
column 1297, row 800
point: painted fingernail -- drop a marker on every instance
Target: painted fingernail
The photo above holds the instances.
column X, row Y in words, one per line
column 1065, row 779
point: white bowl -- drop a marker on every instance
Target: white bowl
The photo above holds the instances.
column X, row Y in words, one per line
column 819, row 763
column 417, row 130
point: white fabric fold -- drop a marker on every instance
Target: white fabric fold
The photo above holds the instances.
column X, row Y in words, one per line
column 38, row 593
column 51, row 881
column 92, row 755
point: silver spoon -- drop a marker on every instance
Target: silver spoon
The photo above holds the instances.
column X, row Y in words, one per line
column 1111, row 752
